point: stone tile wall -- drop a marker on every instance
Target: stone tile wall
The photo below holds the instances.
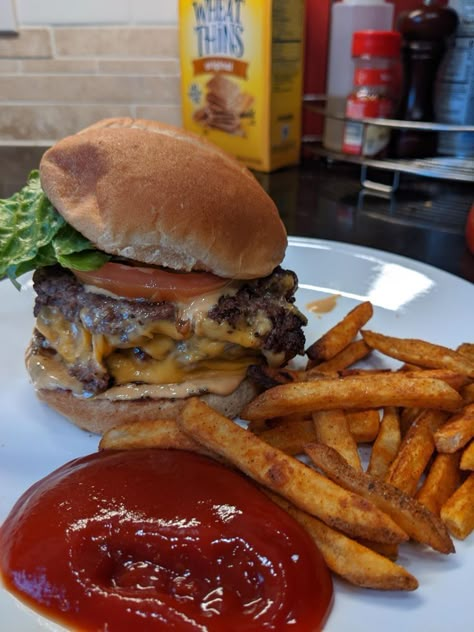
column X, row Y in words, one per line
column 56, row 80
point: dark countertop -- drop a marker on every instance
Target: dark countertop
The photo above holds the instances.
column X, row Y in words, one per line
column 424, row 220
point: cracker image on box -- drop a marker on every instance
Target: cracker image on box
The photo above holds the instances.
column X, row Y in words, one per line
column 225, row 107
column 241, row 77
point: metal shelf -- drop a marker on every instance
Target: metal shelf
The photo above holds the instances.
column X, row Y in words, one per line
column 443, row 167
column 459, row 169
column 311, row 100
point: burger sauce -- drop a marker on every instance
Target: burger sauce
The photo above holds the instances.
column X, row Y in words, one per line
column 155, row 539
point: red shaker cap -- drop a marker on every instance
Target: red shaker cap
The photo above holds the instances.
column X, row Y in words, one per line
column 376, row 43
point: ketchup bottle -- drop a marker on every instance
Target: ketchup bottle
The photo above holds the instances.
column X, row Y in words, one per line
column 424, row 33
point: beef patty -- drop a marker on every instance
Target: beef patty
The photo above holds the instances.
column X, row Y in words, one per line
column 272, row 296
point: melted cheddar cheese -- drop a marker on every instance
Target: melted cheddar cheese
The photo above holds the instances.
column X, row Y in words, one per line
column 158, row 353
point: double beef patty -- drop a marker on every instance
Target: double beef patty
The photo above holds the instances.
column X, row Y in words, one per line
column 272, row 296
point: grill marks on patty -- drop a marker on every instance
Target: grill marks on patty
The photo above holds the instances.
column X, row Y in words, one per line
column 272, row 297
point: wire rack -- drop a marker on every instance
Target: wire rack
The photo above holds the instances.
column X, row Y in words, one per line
column 443, row 167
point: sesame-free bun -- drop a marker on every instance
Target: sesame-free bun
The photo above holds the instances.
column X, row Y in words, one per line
column 99, row 415
column 159, row 195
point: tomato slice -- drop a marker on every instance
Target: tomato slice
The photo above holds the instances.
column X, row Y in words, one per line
column 153, row 284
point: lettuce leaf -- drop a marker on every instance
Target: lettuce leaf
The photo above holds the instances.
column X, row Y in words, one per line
column 33, row 234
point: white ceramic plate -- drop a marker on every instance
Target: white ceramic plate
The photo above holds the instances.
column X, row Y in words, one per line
column 410, row 299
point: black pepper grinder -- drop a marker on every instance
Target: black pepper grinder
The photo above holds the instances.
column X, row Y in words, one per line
column 424, row 33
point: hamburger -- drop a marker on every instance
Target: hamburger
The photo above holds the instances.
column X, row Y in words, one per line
column 157, row 275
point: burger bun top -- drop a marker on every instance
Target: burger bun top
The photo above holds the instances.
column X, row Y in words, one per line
column 156, row 194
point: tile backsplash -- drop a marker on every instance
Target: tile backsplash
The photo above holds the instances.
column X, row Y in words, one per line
column 97, row 12
column 54, row 80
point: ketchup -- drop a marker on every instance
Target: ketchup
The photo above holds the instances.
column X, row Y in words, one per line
column 160, row 539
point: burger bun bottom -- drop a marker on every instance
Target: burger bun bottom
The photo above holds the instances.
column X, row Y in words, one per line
column 99, row 415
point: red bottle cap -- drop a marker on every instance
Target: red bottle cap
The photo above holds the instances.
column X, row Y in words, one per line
column 376, row 43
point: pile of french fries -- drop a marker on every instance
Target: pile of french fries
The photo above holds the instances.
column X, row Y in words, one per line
column 302, row 443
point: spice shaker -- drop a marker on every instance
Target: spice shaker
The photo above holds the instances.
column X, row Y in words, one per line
column 376, row 56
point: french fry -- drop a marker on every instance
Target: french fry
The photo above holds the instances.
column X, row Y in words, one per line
column 456, row 432
column 349, row 559
column 458, row 511
column 338, row 337
column 386, row 444
column 406, row 366
column 453, row 378
column 376, row 391
column 262, row 425
column 467, row 393
column 363, row 425
column 387, row 550
column 351, row 354
column 293, row 431
column 467, row 349
column 258, row 426
column 441, row 482
column 272, row 423
column 362, row 372
column 159, row 433
column 410, row 515
column 290, row 436
column 332, row 429
column 415, row 451
column 420, row 352
column 407, row 417
column 287, row 476
column 467, row 457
